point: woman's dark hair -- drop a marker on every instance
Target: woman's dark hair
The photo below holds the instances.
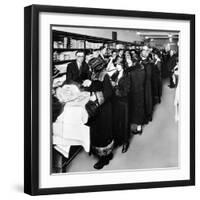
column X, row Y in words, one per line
column 123, row 62
column 136, row 54
column 102, row 47
column 157, row 52
column 127, row 50
column 113, row 51
column 150, row 56
column 117, row 57
column 133, row 50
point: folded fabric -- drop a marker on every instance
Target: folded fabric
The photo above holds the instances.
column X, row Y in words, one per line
column 62, row 68
column 59, row 81
column 67, row 93
column 70, row 129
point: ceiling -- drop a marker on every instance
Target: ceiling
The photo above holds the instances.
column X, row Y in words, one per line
column 157, row 34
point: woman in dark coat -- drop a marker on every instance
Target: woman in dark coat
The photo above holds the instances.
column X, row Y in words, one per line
column 136, row 73
column 156, row 79
column 170, row 66
column 121, row 84
column 148, row 100
column 164, row 67
column 101, row 123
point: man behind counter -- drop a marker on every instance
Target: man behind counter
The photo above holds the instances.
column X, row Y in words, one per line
column 78, row 70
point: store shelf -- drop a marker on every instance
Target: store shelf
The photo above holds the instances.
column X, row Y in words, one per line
column 67, row 49
column 73, row 49
column 62, row 62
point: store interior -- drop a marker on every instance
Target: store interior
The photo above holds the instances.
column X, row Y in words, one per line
column 157, row 147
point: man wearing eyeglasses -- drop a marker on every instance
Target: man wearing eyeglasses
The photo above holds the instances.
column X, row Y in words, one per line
column 78, row 70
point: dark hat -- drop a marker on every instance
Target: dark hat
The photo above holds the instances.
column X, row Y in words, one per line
column 156, row 51
column 97, row 64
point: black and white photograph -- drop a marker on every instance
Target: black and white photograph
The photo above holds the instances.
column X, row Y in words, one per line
column 109, row 100
column 115, row 99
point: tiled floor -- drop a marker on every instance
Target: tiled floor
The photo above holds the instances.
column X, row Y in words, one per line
column 157, row 147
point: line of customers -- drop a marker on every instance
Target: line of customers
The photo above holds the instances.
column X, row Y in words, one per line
column 124, row 88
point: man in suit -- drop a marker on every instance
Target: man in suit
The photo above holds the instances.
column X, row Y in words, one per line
column 78, row 70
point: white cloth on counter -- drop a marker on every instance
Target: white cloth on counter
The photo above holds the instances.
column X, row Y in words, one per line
column 69, row 129
column 68, row 93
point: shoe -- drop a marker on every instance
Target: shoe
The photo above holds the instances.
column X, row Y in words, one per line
column 171, row 86
column 117, row 144
column 134, row 132
column 110, row 156
column 137, row 132
column 100, row 164
column 125, row 147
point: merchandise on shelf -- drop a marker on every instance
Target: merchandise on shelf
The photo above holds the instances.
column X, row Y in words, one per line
column 66, row 55
column 76, row 44
column 92, row 45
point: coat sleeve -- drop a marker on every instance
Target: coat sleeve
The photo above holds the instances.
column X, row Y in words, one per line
column 107, row 88
column 69, row 73
column 159, row 66
column 88, row 72
column 85, row 73
column 124, row 87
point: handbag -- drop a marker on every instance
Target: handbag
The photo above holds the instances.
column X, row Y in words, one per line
column 92, row 108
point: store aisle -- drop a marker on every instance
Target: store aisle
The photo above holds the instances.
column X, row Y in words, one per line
column 157, row 147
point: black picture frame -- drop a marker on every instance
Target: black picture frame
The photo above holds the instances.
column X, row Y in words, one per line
column 31, row 98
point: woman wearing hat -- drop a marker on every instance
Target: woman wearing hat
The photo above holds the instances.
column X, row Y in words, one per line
column 121, row 83
column 147, row 64
column 100, row 111
column 136, row 95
